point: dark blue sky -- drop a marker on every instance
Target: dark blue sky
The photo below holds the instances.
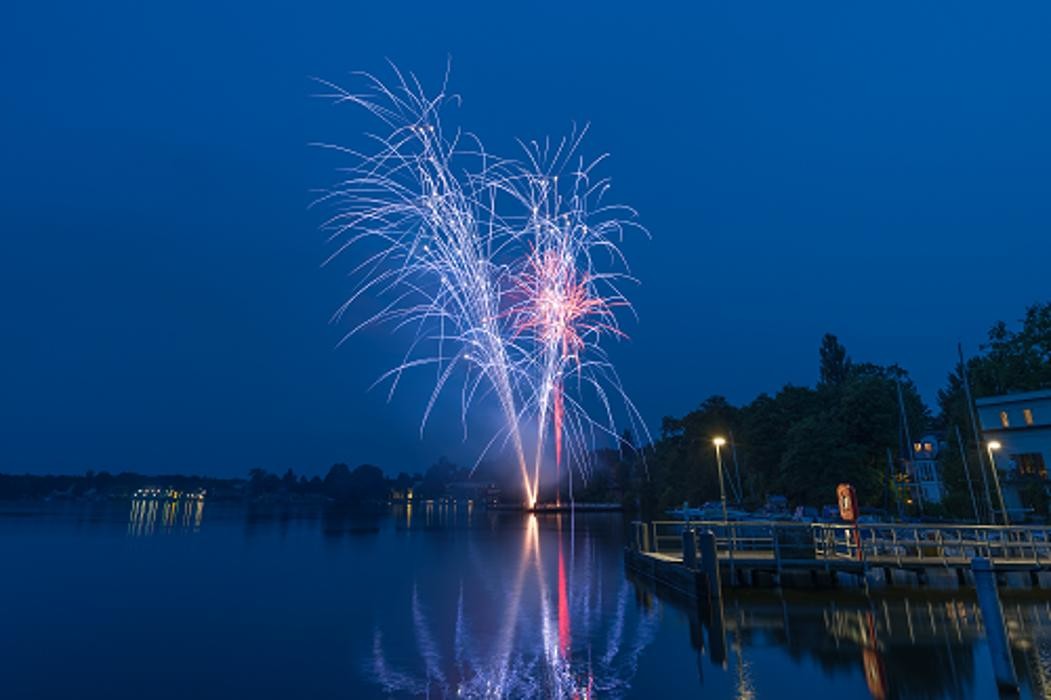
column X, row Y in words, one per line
column 876, row 170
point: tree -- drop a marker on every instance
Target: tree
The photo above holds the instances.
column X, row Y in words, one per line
column 835, row 365
column 438, row 476
column 337, row 484
column 1016, row 360
column 818, row 456
column 762, row 436
column 801, row 442
column 262, row 481
column 367, row 483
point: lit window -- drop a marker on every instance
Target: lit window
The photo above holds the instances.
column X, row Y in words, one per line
column 1031, row 464
column 1004, row 421
column 1028, row 413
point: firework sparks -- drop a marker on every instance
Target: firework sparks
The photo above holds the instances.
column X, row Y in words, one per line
column 534, row 654
column 494, row 268
column 560, row 309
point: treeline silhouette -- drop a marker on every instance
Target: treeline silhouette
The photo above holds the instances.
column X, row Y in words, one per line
column 802, row 441
column 365, row 483
column 103, row 484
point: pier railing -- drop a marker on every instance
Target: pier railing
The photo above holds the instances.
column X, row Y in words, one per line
column 877, row 543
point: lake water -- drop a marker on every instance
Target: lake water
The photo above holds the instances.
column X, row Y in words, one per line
column 210, row 601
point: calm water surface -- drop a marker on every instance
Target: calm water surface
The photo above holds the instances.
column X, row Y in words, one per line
column 158, row 601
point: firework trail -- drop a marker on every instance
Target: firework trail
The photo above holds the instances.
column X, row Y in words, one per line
column 493, row 265
column 559, row 302
column 432, row 258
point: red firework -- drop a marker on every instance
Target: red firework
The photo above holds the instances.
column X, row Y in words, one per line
column 559, row 306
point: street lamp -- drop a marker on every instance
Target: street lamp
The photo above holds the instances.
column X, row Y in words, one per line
column 719, row 442
column 993, row 446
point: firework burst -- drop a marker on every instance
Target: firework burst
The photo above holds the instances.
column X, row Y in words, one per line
column 493, row 266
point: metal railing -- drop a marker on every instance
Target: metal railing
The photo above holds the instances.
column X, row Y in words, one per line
column 936, row 543
column 875, row 543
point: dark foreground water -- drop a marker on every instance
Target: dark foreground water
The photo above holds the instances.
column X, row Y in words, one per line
column 157, row 601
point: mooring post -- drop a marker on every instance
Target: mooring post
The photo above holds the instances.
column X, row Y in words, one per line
column 710, row 564
column 777, row 555
column 993, row 617
column 689, row 548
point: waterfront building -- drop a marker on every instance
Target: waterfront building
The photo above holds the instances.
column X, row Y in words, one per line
column 926, row 483
column 1018, row 426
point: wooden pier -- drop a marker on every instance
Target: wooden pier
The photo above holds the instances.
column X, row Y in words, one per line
column 800, row 555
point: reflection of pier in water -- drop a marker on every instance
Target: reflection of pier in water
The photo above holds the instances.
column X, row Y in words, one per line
column 150, row 515
column 904, row 646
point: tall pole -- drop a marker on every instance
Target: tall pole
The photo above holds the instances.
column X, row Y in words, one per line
column 892, row 482
column 974, row 427
column 719, row 442
column 887, row 482
column 737, row 468
column 908, row 446
column 967, row 473
column 994, row 445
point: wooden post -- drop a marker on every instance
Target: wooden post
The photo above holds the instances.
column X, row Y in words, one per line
column 710, row 564
column 689, row 548
column 777, row 554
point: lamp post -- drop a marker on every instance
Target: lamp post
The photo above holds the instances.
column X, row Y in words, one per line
column 991, row 447
column 719, row 442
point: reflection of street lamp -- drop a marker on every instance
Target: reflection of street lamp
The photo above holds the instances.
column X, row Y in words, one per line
column 719, row 442
column 991, row 447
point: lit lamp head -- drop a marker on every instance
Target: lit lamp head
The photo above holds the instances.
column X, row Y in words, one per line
column 719, row 441
column 995, row 445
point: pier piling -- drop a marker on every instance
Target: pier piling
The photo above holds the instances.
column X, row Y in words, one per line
column 710, row 564
column 995, row 632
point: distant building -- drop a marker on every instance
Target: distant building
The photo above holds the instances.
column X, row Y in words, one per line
column 473, row 491
column 1021, row 423
column 926, row 484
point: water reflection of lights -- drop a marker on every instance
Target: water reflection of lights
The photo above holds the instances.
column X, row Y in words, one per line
column 886, row 638
column 561, row 638
column 434, row 513
column 183, row 514
column 745, row 685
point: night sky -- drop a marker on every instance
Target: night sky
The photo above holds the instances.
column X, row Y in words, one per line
column 880, row 171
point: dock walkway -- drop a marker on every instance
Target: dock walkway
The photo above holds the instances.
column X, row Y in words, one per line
column 772, row 553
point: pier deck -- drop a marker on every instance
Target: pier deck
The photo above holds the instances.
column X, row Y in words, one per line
column 787, row 553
